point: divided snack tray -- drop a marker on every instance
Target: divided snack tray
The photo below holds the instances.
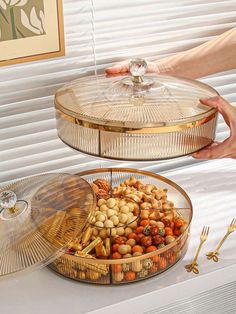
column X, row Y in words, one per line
column 56, row 220
column 110, row 270
column 136, row 116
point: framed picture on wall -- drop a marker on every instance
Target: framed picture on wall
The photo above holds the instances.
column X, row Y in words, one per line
column 30, row 30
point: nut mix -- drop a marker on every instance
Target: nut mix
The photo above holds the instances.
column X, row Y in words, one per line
column 130, row 220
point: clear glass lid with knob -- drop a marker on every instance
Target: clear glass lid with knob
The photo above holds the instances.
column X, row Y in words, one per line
column 39, row 216
column 136, row 116
column 134, row 100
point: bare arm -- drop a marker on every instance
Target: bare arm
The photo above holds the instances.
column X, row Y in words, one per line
column 211, row 57
column 214, row 56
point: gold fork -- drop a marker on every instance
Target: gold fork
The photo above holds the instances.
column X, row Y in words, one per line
column 193, row 266
column 214, row 255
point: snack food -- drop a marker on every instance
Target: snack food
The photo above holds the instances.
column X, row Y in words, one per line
column 135, row 221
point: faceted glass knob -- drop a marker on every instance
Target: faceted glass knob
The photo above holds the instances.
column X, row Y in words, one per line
column 7, row 200
column 138, row 82
column 10, row 207
column 138, row 68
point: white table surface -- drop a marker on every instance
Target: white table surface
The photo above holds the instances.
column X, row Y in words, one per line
column 212, row 189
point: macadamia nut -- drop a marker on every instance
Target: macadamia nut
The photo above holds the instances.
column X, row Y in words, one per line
column 101, row 202
column 124, row 209
column 111, row 202
column 108, row 224
column 123, row 218
column 110, row 212
column 101, row 217
column 99, row 224
column 115, row 220
column 103, row 208
column 120, row 231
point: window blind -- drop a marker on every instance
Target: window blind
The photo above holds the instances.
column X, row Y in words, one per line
column 115, row 30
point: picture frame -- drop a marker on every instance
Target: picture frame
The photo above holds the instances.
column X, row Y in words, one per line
column 31, row 30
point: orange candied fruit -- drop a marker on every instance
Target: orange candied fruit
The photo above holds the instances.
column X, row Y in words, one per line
column 132, row 235
column 144, row 222
column 156, row 258
column 130, row 275
column 172, row 258
column 116, row 255
column 163, row 263
column 115, row 247
column 153, row 269
column 139, row 229
column 179, row 223
column 168, row 231
column 137, row 248
column 151, row 248
column 117, row 268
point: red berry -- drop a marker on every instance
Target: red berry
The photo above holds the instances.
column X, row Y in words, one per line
column 115, row 247
column 177, row 232
column 166, row 222
column 146, row 241
column 154, row 230
column 139, row 237
column 120, row 240
column 157, row 239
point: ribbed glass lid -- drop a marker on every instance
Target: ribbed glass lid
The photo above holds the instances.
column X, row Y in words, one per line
column 39, row 216
column 135, row 100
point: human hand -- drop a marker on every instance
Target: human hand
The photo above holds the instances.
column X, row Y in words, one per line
column 227, row 148
column 123, row 67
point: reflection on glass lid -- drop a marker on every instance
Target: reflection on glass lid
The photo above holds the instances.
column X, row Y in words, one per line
column 135, row 99
column 39, row 216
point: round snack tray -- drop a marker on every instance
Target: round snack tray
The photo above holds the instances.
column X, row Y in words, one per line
column 87, row 259
column 41, row 216
column 135, row 116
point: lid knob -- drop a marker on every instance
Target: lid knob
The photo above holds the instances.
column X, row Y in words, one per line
column 138, row 68
column 8, row 201
column 10, row 207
